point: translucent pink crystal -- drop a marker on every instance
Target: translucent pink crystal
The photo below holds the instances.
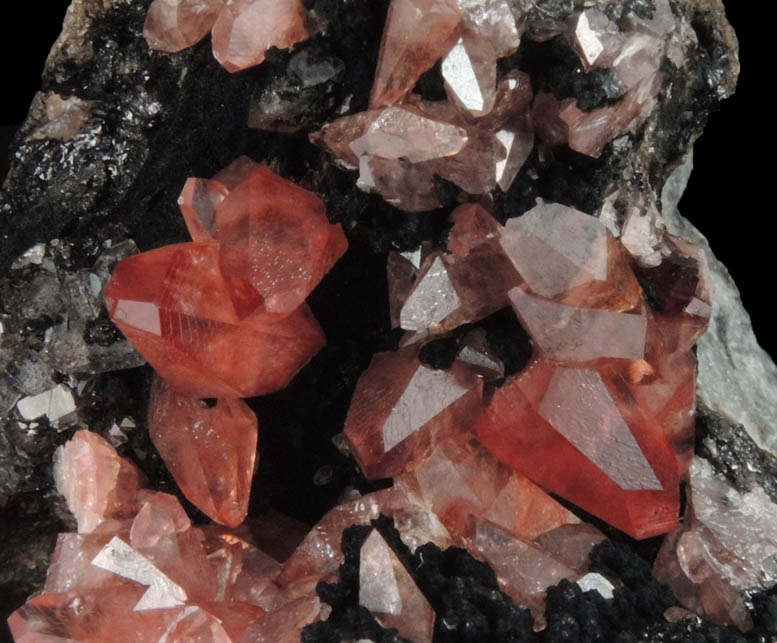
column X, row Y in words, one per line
column 727, row 544
column 388, row 591
column 276, row 237
column 577, row 432
column 173, row 25
column 246, row 29
column 461, row 479
column 198, row 202
column 98, row 485
column 211, row 452
column 179, row 311
column 417, row 34
column 469, row 71
column 566, row 255
column 401, row 408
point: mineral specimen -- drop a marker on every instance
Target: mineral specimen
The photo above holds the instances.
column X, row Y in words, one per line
column 516, row 121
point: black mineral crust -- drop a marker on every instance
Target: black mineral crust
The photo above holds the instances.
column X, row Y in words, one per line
column 109, row 189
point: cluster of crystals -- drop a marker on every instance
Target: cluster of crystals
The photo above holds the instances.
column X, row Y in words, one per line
column 138, row 570
column 481, row 135
column 242, row 30
column 603, row 413
column 725, row 548
column 137, row 565
column 224, row 316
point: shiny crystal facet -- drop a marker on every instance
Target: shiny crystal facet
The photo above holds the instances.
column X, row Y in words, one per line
column 388, row 591
column 400, row 408
column 275, row 236
column 177, row 308
column 417, row 34
column 626, row 474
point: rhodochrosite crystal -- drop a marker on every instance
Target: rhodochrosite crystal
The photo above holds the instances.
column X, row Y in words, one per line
column 211, row 452
column 401, row 408
column 243, row 30
column 389, row 592
column 177, row 308
column 173, row 25
column 225, row 314
column 97, row 484
column 246, row 29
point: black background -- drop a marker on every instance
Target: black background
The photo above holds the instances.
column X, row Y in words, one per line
column 727, row 198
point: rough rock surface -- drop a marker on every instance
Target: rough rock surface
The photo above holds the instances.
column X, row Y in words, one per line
column 84, row 181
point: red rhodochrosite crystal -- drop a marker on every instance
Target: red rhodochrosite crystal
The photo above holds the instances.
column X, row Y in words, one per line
column 246, row 29
column 401, row 408
column 98, row 485
column 211, row 452
column 177, row 309
column 275, row 236
column 173, row 25
column 578, row 432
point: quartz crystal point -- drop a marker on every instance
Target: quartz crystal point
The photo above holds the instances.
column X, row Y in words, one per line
column 276, row 237
column 211, row 452
column 401, row 408
column 97, row 484
column 726, row 544
column 177, row 309
column 388, row 591
column 173, row 25
column 579, row 433
column 246, row 29
column 417, row 34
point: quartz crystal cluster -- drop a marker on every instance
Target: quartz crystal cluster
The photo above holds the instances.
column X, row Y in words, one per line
column 463, row 451
column 243, row 30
